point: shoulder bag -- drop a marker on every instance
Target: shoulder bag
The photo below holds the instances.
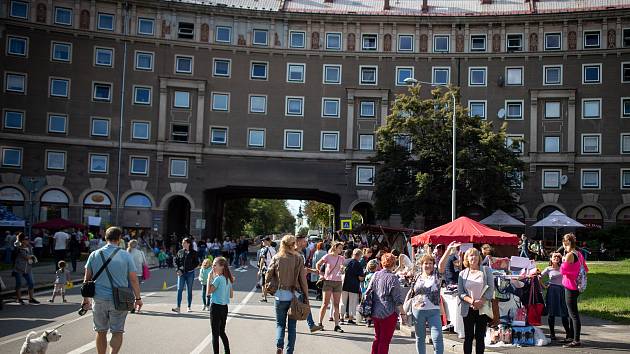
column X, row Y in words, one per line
column 88, row 289
column 320, row 282
column 271, row 278
column 298, row 310
column 123, row 296
column 407, row 308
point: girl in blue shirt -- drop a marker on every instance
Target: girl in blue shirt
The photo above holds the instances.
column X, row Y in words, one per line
column 220, row 291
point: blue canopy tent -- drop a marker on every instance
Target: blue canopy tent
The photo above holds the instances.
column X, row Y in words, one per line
column 8, row 219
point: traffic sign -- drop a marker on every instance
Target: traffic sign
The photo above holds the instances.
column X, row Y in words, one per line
column 346, row 224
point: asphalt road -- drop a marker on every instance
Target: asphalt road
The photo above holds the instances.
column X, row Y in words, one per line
column 251, row 326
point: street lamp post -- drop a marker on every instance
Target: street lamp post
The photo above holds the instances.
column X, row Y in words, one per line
column 412, row 81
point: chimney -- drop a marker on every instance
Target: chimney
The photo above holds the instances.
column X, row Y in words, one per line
column 328, row 1
column 386, row 5
column 425, row 6
column 486, row 2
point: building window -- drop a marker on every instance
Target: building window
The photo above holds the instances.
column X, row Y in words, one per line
column 144, row 61
column 477, row 109
column 367, row 109
column 13, row 120
column 625, row 178
column 258, row 104
column 19, row 9
column 142, row 95
column 477, row 76
column 185, row 30
column 552, row 144
column 15, row 83
column 256, row 138
column 332, row 74
column 441, row 43
column 102, row 92
column 140, row 130
column 365, row 175
column 441, row 76
column 100, row 127
column 223, row 34
column 258, row 71
column 625, row 107
column 297, row 39
column 146, row 26
column 103, row 57
column 625, row 72
column 59, row 87
column 369, row 42
column 405, row 42
column 514, row 42
column 61, row 51
column 294, row 106
column 17, row 46
column 625, row 143
column 56, row 160
column 330, row 141
column 514, row 109
column 553, row 41
column 178, row 168
column 11, row 157
column 591, row 108
column 590, row 178
column 368, row 75
column 261, row 37
column 402, row 73
column 181, row 99
column 591, row 143
column 221, row 67
column 63, row 16
column 515, row 143
column 514, row 76
column 105, row 22
column 296, row 72
column 591, row 73
column 333, row 41
column 220, row 101
column 179, row 133
column 366, row 142
column 293, row 139
column 551, row 179
column 139, row 166
column 183, row 64
column 478, row 43
column 626, row 37
column 591, row 39
column 330, row 107
column 57, row 123
column 218, row 136
column 552, row 110
column 552, row 75
column 99, row 163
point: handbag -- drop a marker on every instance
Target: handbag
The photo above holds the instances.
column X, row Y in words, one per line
column 124, row 297
column 520, row 317
column 271, row 279
column 298, row 310
column 534, row 311
column 88, row 288
column 146, row 273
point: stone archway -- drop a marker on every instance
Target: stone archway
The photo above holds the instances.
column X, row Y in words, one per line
column 177, row 219
column 367, row 212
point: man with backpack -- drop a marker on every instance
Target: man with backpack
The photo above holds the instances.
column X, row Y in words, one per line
column 264, row 261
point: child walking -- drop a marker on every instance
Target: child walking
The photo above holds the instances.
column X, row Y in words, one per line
column 61, row 278
column 206, row 269
column 162, row 257
column 220, row 291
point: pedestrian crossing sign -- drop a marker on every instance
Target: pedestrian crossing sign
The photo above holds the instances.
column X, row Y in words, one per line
column 346, row 224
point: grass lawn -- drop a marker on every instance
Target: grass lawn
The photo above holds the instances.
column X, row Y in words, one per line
column 607, row 293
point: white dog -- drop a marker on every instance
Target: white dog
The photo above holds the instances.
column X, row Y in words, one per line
column 39, row 345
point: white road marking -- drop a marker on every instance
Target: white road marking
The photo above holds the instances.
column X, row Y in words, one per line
column 84, row 348
column 206, row 341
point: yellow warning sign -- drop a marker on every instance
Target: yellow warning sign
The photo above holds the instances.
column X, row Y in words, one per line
column 346, row 224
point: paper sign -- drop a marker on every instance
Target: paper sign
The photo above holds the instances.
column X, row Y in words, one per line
column 94, row 220
column 520, row 262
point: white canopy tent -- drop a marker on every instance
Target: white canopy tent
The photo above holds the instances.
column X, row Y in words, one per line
column 500, row 218
column 558, row 220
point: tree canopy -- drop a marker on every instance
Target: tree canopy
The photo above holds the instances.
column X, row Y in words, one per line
column 415, row 155
column 257, row 217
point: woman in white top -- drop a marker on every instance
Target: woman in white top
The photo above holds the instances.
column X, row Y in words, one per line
column 138, row 257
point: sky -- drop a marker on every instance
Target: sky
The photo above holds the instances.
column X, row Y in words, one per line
column 294, row 206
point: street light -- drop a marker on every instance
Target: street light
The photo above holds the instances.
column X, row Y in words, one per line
column 411, row 81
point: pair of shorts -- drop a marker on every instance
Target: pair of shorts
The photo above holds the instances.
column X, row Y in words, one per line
column 107, row 318
column 331, row 285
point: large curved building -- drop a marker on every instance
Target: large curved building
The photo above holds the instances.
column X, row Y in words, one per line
column 168, row 108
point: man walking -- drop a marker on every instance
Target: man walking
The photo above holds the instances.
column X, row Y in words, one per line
column 60, row 239
column 300, row 244
column 122, row 270
column 266, row 255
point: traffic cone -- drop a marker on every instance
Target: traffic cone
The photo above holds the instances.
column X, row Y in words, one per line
column 164, row 285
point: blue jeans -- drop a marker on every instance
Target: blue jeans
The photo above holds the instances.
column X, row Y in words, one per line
column 435, row 323
column 204, row 297
column 18, row 280
column 187, row 279
column 282, row 310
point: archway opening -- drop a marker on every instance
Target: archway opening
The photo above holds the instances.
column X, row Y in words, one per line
column 177, row 220
column 366, row 212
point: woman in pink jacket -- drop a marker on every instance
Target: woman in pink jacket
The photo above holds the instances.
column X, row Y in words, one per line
column 570, row 270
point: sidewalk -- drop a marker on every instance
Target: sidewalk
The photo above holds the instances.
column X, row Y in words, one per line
column 43, row 276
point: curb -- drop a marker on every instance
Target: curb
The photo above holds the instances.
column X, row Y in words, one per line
column 449, row 344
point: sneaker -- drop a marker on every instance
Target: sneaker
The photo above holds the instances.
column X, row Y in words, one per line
column 175, row 309
column 330, row 319
column 338, row 329
column 447, row 328
column 316, row 328
column 573, row 344
column 351, row 322
column 21, row 302
column 51, row 300
column 33, row 301
column 189, row 309
column 204, row 308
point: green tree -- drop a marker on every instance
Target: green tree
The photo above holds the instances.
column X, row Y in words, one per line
column 270, row 216
column 236, row 214
column 317, row 214
column 415, row 156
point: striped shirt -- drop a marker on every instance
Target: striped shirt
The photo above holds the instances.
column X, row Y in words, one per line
column 387, row 292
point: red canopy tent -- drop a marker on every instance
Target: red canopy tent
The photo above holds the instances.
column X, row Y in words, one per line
column 57, row 224
column 464, row 230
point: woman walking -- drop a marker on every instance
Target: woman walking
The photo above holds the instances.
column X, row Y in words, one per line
column 425, row 305
column 186, row 262
column 22, row 268
column 556, row 304
column 332, row 282
column 570, row 270
column 319, row 253
column 387, row 300
column 139, row 259
column 220, row 292
column 476, row 289
column 351, row 289
column 204, row 272
column 74, row 247
column 287, row 268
